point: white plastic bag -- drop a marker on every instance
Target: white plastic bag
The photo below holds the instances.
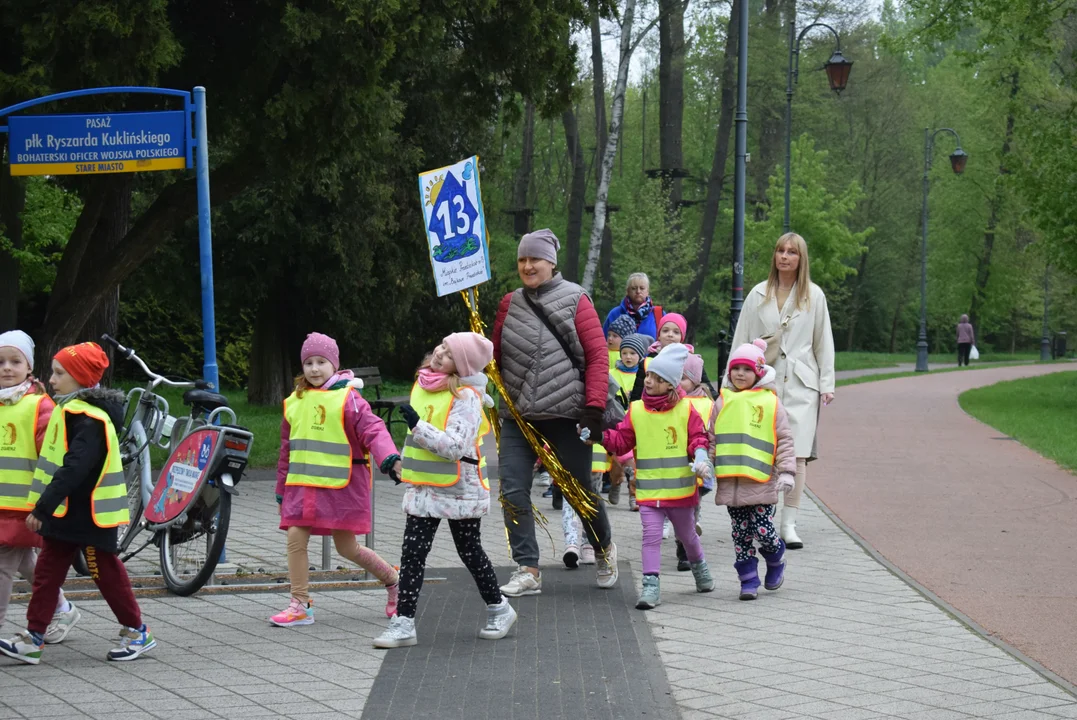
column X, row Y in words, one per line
column 974, row 354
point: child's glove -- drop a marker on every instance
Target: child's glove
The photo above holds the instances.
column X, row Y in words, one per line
column 410, row 416
column 786, row 482
column 703, row 468
column 591, row 419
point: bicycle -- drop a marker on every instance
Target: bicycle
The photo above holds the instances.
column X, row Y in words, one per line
column 192, row 498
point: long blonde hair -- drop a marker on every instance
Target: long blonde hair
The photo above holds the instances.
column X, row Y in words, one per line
column 803, row 271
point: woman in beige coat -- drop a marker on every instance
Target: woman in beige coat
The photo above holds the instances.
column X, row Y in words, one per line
column 790, row 313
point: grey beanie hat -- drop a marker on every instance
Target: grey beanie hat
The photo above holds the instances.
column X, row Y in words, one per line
column 624, row 326
column 637, row 342
column 541, row 244
column 669, row 363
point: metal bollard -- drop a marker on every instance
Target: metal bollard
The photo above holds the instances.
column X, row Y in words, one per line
column 326, row 552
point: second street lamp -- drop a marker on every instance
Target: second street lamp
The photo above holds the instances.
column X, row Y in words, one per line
column 837, row 69
column 958, row 158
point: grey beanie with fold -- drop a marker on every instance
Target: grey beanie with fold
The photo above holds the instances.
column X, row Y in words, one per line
column 669, row 363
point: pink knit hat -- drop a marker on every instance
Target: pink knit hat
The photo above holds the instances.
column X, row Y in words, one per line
column 678, row 320
column 471, row 352
column 323, row 346
column 693, row 369
column 752, row 355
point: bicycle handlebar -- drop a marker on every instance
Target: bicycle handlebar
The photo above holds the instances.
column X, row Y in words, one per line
column 129, row 354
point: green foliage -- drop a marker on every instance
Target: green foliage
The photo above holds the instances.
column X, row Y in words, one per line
column 47, row 221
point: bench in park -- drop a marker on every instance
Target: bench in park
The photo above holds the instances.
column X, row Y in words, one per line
column 383, row 407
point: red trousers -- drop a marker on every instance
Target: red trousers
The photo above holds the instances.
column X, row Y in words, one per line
column 107, row 572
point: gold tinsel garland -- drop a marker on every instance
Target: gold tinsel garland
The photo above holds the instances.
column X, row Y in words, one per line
column 581, row 499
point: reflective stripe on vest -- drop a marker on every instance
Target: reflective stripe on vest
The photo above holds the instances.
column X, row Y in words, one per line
column 108, row 501
column 600, row 459
column 662, row 468
column 422, row 467
column 319, row 454
column 744, row 435
column 18, row 451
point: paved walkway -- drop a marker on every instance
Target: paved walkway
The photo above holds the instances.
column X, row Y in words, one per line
column 979, row 519
column 844, row 639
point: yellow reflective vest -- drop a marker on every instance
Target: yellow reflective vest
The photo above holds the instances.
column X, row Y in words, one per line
column 422, row 467
column 615, row 355
column 18, row 451
column 108, row 501
column 662, row 468
column 627, row 380
column 703, row 406
column 745, row 435
column 319, row 454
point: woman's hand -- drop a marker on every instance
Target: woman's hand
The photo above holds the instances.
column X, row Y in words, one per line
column 827, row 398
column 33, row 524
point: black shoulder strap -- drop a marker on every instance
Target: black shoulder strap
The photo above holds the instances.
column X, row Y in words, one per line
column 549, row 326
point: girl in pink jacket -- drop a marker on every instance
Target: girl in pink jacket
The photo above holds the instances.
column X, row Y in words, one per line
column 329, row 437
column 754, row 459
column 666, row 434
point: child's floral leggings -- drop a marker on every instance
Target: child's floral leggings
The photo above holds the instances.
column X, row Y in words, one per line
column 752, row 523
column 571, row 524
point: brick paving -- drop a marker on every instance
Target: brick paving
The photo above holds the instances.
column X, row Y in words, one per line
column 844, row 639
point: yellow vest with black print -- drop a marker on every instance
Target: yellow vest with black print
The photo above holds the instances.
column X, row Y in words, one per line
column 662, row 468
column 422, row 467
column 627, row 380
column 108, row 501
column 745, row 437
column 18, row 451
column 319, row 454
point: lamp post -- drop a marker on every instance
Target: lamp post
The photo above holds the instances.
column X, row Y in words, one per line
column 739, row 172
column 958, row 158
column 837, row 73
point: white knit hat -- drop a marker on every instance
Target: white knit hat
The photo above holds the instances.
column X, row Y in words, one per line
column 669, row 363
column 21, row 342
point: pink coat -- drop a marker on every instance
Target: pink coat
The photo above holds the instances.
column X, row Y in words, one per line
column 349, row 508
column 622, row 439
column 744, row 492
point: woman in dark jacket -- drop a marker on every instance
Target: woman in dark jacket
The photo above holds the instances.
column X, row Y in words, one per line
column 80, row 501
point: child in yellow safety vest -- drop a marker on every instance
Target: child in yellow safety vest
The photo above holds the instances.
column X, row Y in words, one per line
column 446, row 476
column 754, row 459
column 79, row 499
column 696, row 394
column 670, row 443
column 24, row 414
column 633, row 350
column 324, row 479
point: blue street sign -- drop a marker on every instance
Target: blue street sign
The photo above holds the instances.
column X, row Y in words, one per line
column 100, row 143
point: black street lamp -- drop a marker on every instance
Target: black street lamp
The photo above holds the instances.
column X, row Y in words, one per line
column 958, row 158
column 837, row 69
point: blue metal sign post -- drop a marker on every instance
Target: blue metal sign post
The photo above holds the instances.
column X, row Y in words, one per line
column 100, row 143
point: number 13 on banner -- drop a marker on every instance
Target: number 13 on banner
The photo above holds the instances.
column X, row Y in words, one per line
column 455, row 226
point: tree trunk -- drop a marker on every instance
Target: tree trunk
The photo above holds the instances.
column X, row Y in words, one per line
column 12, row 202
column 671, row 95
column 609, row 154
column 716, row 181
column 854, row 300
column 983, row 265
column 576, row 197
column 598, row 71
column 270, row 378
column 522, row 184
column 769, row 105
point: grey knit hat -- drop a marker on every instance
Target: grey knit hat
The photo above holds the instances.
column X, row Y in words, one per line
column 637, row 342
column 669, row 363
column 624, row 326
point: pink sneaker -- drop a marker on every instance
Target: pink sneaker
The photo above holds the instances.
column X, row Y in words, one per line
column 295, row 614
column 394, row 595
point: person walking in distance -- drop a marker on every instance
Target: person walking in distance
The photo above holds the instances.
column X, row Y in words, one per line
column 446, row 476
column 549, row 346
column 966, row 338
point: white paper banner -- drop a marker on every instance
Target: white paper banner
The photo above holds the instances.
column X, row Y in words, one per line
column 455, row 226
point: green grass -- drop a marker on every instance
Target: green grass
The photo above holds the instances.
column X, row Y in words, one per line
column 1037, row 412
column 263, row 421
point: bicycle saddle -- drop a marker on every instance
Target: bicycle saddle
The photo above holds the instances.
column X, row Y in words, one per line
column 205, row 399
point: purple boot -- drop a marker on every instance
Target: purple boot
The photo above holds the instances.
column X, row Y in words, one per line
column 749, row 578
column 775, row 567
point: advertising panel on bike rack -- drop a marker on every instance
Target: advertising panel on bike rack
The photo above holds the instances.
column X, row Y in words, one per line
column 183, row 475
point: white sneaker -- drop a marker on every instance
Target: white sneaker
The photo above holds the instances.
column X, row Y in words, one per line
column 789, row 529
column 667, row 529
column 543, row 479
column 522, row 583
column 499, row 620
column 607, row 567
column 400, row 633
column 587, row 555
column 61, row 625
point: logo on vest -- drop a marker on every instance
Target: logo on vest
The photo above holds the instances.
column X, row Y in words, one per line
column 430, row 413
column 319, row 415
column 671, row 438
column 757, row 416
column 10, row 435
column 55, row 432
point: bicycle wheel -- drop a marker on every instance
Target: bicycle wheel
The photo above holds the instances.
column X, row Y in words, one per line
column 132, row 477
column 79, row 564
column 189, row 552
